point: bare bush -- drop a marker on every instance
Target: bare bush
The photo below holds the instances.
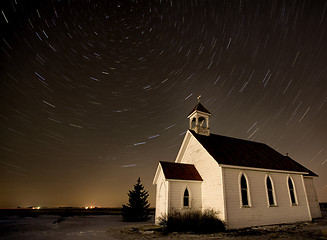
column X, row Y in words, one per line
column 192, row 221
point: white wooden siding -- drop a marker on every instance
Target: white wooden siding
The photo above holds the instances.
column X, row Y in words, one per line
column 260, row 213
column 212, row 188
column 312, row 197
column 177, row 189
column 161, row 197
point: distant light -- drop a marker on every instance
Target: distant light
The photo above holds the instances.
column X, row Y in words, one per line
column 89, row 207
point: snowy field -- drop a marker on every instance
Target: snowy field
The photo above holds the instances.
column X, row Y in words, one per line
column 54, row 228
column 111, row 227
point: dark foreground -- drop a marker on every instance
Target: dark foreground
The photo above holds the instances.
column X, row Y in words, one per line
column 111, row 227
column 316, row 229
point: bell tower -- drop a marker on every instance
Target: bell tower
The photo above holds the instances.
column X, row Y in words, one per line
column 199, row 119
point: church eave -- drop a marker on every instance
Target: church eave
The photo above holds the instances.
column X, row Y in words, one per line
column 183, row 180
column 197, row 111
column 264, row 169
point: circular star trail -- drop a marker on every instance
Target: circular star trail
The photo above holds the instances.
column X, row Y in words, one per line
column 95, row 93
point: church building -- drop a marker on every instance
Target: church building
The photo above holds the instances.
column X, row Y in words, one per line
column 246, row 183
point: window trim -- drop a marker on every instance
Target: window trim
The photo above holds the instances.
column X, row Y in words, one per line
column 248, row 191
column 289, row 191
column 273, row 191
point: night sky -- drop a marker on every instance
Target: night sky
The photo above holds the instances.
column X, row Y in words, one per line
column 94, row 93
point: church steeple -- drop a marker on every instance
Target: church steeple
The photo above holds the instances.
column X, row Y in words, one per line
column 199, row 119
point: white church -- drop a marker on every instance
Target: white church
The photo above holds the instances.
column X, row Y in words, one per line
column 247, row 183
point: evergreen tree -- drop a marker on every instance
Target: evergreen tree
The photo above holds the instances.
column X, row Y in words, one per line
column 137, row 208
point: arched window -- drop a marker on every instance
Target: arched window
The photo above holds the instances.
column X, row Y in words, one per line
column 292, row 191
column 270, row 192
column 186, row 198
column 244, row 191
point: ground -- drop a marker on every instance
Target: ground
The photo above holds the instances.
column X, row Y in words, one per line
column 110, row 227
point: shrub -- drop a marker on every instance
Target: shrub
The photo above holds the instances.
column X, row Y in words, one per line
column 192, row 221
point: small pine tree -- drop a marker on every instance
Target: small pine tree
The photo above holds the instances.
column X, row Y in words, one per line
column 137, row 208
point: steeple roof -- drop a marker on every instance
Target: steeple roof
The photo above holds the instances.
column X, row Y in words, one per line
column 201, row 108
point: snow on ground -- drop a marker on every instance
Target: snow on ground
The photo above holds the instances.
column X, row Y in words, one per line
column 111, row 227
column 54, row 227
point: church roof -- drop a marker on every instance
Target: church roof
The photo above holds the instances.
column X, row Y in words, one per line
column 180, row 171
column 200, row 108
column 238, row 152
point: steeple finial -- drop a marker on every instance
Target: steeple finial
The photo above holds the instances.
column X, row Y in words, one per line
column 199, row 97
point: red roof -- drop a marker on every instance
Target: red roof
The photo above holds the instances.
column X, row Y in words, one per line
column 238, row 152
column 180, row 171
column 201, row 108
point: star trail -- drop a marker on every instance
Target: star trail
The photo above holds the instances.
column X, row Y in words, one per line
column 95, row 93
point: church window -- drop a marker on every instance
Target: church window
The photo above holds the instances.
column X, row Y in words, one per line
column 186, row 198
column 244, row 191
column 292, row 191
column 270, row 192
